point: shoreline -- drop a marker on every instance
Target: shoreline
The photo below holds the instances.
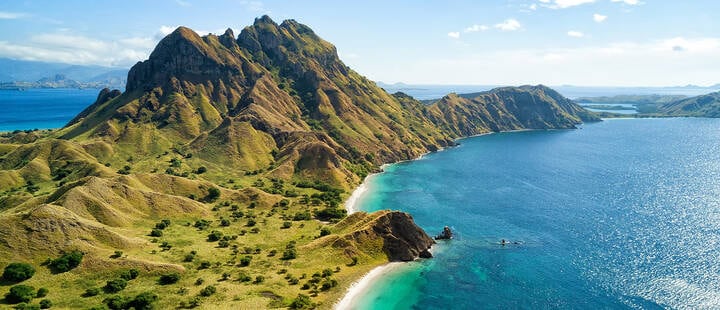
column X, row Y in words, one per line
column 360, row 286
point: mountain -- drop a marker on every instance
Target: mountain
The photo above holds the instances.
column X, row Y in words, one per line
column 700, row 106
column 31, row 74
column 231, row 155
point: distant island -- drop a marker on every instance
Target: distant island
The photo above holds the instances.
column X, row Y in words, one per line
column 20, row 74
column 217, row 176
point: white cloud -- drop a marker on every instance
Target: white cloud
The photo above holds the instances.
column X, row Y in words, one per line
column 598, row 18
column 671, row 61
column 476, row 28
column 533, row 7
column 454, row 34
column 509, row 25
column 564, row 4
column 628, row 2
column 183, row 3
column 166, row 30
column 575, row 34
column 255, row 6
column 11, row 15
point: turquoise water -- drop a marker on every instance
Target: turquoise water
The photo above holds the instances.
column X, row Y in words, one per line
column 42, row 108
column 618, row 214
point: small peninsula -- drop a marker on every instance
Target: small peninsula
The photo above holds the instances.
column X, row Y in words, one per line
column 217, row 177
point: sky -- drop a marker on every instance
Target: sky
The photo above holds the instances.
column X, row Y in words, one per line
column 474, row 42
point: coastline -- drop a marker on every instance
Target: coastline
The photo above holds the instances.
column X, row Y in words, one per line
column 360, row 286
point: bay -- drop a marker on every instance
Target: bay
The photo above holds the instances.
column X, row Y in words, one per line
column 617, row 214
column 42, row 108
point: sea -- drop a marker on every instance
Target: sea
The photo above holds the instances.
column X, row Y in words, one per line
column 619, row 214
column 42, row 108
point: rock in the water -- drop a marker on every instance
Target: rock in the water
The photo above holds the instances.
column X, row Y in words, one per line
column 446, row 234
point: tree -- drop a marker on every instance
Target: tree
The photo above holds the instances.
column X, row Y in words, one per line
column 324, row 231
column 42, row 292
column 66, row 262
column 20, row 293
column 17, row 272
column 143, row 301
column 45, row 304
column 130, row 274
column 115, row 285
column 245, row 261
column 169, row 278
column 93, row 291
column 213, row 194
column 301, row 302
column 214, row 236
column 156, row 233
column 208, row 291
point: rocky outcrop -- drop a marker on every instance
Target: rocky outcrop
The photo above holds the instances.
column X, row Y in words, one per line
column 393, row 233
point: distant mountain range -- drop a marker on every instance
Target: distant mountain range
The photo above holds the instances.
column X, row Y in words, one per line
column 19, row 74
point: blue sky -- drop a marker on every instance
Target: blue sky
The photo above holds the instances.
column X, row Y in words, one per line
column 553, row 42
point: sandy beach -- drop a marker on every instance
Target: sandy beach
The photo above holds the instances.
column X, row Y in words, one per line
column 359, row 287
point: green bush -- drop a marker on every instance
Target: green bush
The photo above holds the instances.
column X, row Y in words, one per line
column 42, row 292
column 324, row 231
column 117, row 302
column 214, row 236
column 169, row 278
column 245, row 261
column 286, row 225
column 45, row 304
column 156, row 233
column 66, row 262
column 289, row 253
column 330, row 213
column 17, row 272
column 208, row 291
column 93, row 291
column 129, row 274
column 115, row 285
column 143, row 301
column 302, row 302
column 20, row 293
column 213, row 194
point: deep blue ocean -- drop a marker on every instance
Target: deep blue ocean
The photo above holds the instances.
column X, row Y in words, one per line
column 617, row 214
column 42, row 108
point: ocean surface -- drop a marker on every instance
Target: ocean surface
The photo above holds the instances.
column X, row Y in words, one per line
column 42, row 108
column 618, row 214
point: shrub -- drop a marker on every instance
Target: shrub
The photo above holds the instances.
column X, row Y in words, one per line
column 201, row 170
column 169, row 278
column 66, row 262
column 244, row 277
column 117, row 254
column 223, row 244
column 330, row 213
column 324, row 231
column 204, row 265
column 301, row 216
column 20, row 293
column 245, row 261
column 224, row 222
column 301, row 302
column 93, row 291
column 115, row 285
column 208, row 291
column 286, row 225
column 42, row 292
column 143, row 301
column 214, row 236
column 259, row 279
column 117, row 302
column 156, row 233
column 17, row 272
column 289, row 253
column 213, row 194
column 129, row 274
column 45, row 304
